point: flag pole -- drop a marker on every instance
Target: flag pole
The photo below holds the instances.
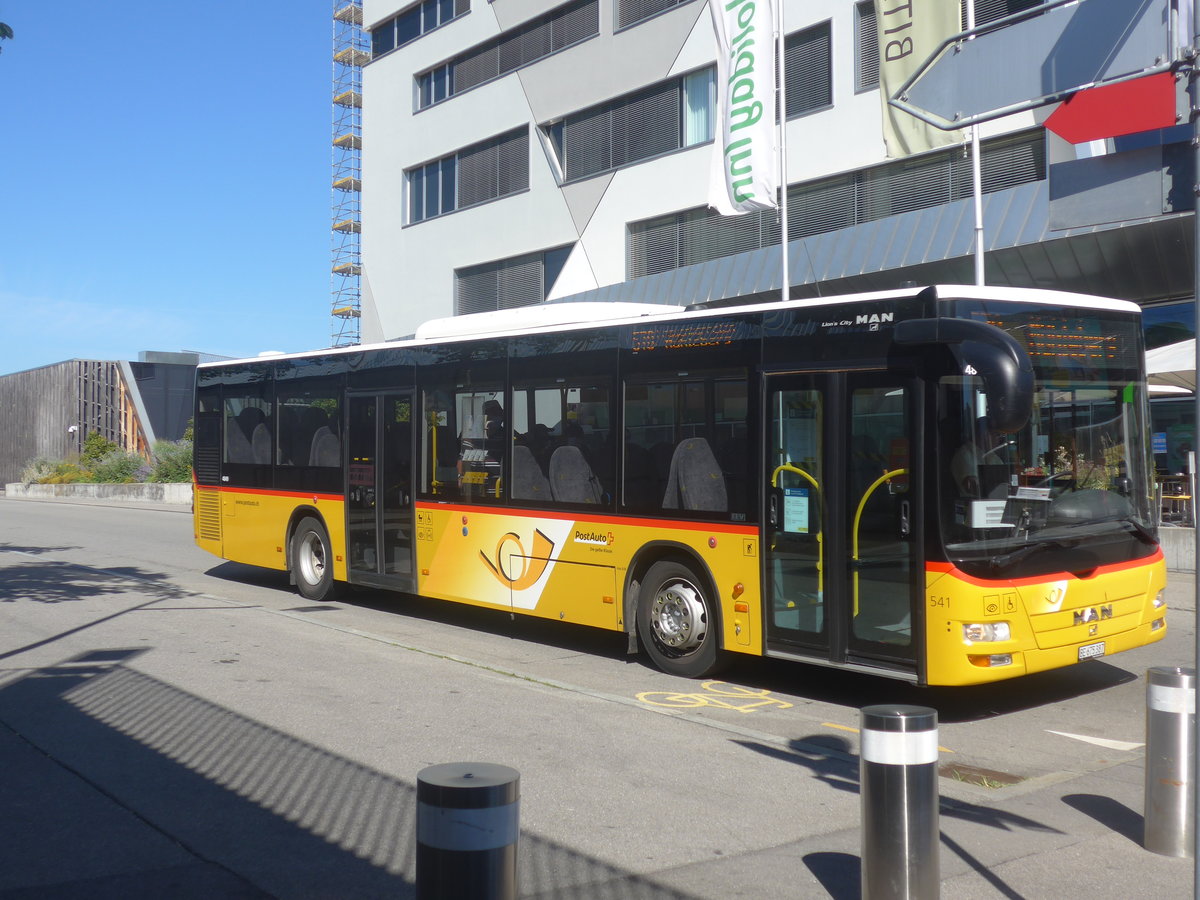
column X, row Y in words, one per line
column 785, row 288
column 976, row 175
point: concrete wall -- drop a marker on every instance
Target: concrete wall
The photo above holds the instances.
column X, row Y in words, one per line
column 137, row 493
column 1179, row 547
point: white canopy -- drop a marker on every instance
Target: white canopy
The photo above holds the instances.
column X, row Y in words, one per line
column 1172, row 366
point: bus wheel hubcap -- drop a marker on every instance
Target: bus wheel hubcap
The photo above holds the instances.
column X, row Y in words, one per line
column 678, row 617
column 312, row 559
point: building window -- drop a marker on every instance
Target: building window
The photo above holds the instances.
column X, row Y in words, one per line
column 639, row 126
column 808, row 56
column 485, row 171
column 418, row 19
column 630, row 12
column 508, row 283
column 991, row 10
column 866, row 47
column 512, row 50
column 828, row 204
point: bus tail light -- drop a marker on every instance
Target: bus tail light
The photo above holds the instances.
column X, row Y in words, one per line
column 976, row 632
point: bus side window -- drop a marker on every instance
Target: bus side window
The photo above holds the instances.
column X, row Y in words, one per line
column 567, row 439
column 247, row 430
column 309, row 428
column 686, row 446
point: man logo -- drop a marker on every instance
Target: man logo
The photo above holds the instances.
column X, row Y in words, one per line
column 1092, row 614
column 513, row 567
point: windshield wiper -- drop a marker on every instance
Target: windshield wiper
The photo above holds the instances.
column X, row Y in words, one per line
column 1143, row 534
column 1140, row 531
column 1003, row 561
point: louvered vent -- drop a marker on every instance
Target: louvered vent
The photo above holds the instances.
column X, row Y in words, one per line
column 208, row 515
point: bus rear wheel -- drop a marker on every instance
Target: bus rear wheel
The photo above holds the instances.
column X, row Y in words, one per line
column 312, row 561
column 676, row 621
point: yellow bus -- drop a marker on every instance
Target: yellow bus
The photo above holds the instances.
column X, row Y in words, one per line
column 948, row 485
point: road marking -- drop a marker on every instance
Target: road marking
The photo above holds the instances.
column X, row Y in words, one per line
column 715, row 693
column 1107, row 743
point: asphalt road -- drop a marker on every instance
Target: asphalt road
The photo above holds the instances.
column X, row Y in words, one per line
column 176, row 725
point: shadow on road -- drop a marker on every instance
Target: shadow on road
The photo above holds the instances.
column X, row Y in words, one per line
column 269, row 812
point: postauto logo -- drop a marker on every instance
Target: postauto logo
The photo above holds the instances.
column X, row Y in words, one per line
column 598, row 538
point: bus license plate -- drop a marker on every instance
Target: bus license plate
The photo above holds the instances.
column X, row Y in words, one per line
column 1091, row 651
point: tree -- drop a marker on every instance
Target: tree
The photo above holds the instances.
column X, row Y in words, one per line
column 5, row 31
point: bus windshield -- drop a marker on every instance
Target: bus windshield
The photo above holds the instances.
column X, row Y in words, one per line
column 1074, row 481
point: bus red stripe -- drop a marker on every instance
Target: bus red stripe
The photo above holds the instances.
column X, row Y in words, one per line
column 263, row 492
column 951, row 569
column 585, row 515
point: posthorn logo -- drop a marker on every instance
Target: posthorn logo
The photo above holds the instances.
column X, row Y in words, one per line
column 513, row 566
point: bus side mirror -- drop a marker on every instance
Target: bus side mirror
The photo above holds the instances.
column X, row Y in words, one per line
column 985, row 351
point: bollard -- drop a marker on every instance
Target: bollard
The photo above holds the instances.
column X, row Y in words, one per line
column 898, row 785
column 1170, row 760
column 467, row 828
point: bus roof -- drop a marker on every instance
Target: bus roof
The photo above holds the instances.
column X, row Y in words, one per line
column 567, row 315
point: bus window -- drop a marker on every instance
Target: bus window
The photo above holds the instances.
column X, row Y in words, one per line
column 482, row 438
column 247, row 429
column 686, row 447
column 566, row 453
column 464, row 437
column 309, row 427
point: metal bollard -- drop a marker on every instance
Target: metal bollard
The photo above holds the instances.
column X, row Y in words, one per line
column 1170, row 760
column 898, row 785
column 467, row 828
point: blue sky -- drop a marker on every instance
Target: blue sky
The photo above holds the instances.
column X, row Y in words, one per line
column 166, row 178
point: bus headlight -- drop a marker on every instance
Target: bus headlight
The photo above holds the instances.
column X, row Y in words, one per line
column 975, row 632
column 1160, row 599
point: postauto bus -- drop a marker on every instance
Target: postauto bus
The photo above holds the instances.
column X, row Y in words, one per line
column 948, row 485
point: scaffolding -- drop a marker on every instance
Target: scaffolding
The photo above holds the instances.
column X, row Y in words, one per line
column 351, row 51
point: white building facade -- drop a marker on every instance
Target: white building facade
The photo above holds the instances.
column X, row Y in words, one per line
column 519, row 151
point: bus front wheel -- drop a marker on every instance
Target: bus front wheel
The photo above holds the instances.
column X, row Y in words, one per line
column 676, row 621
column 312, row 561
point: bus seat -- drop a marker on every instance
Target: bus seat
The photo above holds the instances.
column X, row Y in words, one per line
column 529, row 482
column 695, row 480
column 289, row 424
column 260, row 444
column 239, row 433
column 326, row 448
column 571, row 478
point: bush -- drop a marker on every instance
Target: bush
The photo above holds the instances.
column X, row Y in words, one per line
column 117, row 467
column 65, row 473
column 172, row 461
column 95, row 447
column 36, row 470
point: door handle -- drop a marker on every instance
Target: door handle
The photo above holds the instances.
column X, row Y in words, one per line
column 774, row 511
column 905, row 518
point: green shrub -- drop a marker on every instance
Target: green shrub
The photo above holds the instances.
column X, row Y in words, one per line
column 172, row 461
column 65, row 473
column 95, row 447
column 117, row 467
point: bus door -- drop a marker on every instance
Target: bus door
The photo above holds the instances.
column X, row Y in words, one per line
column 379, row 510
column 841, row 541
